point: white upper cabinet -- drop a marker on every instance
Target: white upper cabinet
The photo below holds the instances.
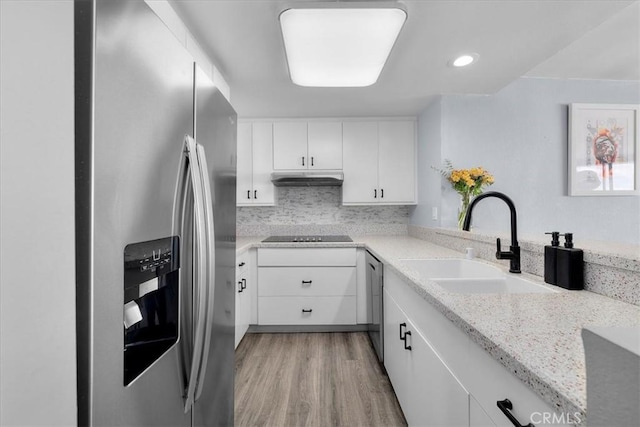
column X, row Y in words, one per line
column 302, row 145
column 255, row 157
column 325, row 145
column 244, row 183
column 379, row 162
column 290, row 146
column 360, row 162
column 396, row 161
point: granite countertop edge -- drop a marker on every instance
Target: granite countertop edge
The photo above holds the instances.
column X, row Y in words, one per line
column 537, row 370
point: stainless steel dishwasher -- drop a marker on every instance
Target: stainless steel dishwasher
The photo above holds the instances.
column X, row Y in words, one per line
column 374, row 301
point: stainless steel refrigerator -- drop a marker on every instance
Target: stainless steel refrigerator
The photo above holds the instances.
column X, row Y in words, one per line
column 155, row 225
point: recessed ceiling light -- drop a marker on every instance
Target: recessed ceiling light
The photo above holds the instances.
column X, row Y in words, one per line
column 343, row 44
column 464, row 60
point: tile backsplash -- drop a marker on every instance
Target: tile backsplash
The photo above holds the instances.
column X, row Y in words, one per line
column 609, row 270
column 319, row 210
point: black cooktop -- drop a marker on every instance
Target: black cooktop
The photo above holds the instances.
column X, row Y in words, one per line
column 309, row 239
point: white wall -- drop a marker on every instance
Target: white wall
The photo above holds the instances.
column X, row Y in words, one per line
column 429, row 147
column 37, row 274
column 520, row 135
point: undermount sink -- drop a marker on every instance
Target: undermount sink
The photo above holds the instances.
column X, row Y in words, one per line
column 473, row 277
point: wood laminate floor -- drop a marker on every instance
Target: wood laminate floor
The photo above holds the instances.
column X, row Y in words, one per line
column 312, row 379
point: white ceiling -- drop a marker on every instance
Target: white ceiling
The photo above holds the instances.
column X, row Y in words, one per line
column 586, row 39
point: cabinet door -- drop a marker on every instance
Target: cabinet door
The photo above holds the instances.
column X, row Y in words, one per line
column 429, row 394
column 241, row 303
column 244, row 185
column 396, row 357
column 325, row 145
column 397, row 160
column 360, row 162
column 290, row 145
column 477, row 416
column 263, row 190
column 436, row 397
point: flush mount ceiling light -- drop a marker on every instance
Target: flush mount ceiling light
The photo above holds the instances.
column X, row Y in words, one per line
column 339, row 44
column 464, row 60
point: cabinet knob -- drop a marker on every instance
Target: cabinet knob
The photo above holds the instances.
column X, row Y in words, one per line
column 241, row 264
column 506, row 406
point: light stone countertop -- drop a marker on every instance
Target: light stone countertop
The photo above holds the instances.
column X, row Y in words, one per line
column 535, row 336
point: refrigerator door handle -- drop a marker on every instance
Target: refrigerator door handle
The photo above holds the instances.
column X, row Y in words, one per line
column 190, row 168
column 210, row 262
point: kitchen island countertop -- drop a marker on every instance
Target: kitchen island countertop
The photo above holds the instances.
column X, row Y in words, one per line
column 537, row 337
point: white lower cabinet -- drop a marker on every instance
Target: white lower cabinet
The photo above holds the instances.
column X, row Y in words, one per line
column 307, row 286
column 477, row 416
column 244, row 289
column 245, row 294
column 428, row 392
column 293, row 310
column 463, row 369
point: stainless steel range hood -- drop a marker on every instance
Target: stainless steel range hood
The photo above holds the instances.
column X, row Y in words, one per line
column 307, row 179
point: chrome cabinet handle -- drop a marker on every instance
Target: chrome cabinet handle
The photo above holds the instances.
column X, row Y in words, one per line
column 307, row 282
column 248, row 194
column 311, row 161
column 255, row 194
column 241, row 264
column 241, row 288
column 244, row 284
column 382, row 193
column 375, row 193
column 506, row 406
column 307, row 310
column 302, row 160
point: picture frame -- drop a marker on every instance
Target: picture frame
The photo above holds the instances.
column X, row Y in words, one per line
column 603, row 151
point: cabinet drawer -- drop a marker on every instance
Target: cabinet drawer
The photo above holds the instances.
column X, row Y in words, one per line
column 324, row 310
column 490, row 382
column 307, row 281
column 307, row 257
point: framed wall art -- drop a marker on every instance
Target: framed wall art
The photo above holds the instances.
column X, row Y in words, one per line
column 603, row 150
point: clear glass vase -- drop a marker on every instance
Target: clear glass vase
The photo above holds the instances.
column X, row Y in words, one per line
column 462, row 211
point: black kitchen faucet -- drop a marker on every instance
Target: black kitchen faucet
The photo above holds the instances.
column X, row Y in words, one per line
column 514, row 250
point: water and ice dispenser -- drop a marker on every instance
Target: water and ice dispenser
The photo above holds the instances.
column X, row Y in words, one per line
column 151, row 303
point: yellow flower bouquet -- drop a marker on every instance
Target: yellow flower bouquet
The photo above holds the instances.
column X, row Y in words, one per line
column 467, row 182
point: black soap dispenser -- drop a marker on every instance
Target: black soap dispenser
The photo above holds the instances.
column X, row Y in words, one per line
column 570, row 265
column 551, row 258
